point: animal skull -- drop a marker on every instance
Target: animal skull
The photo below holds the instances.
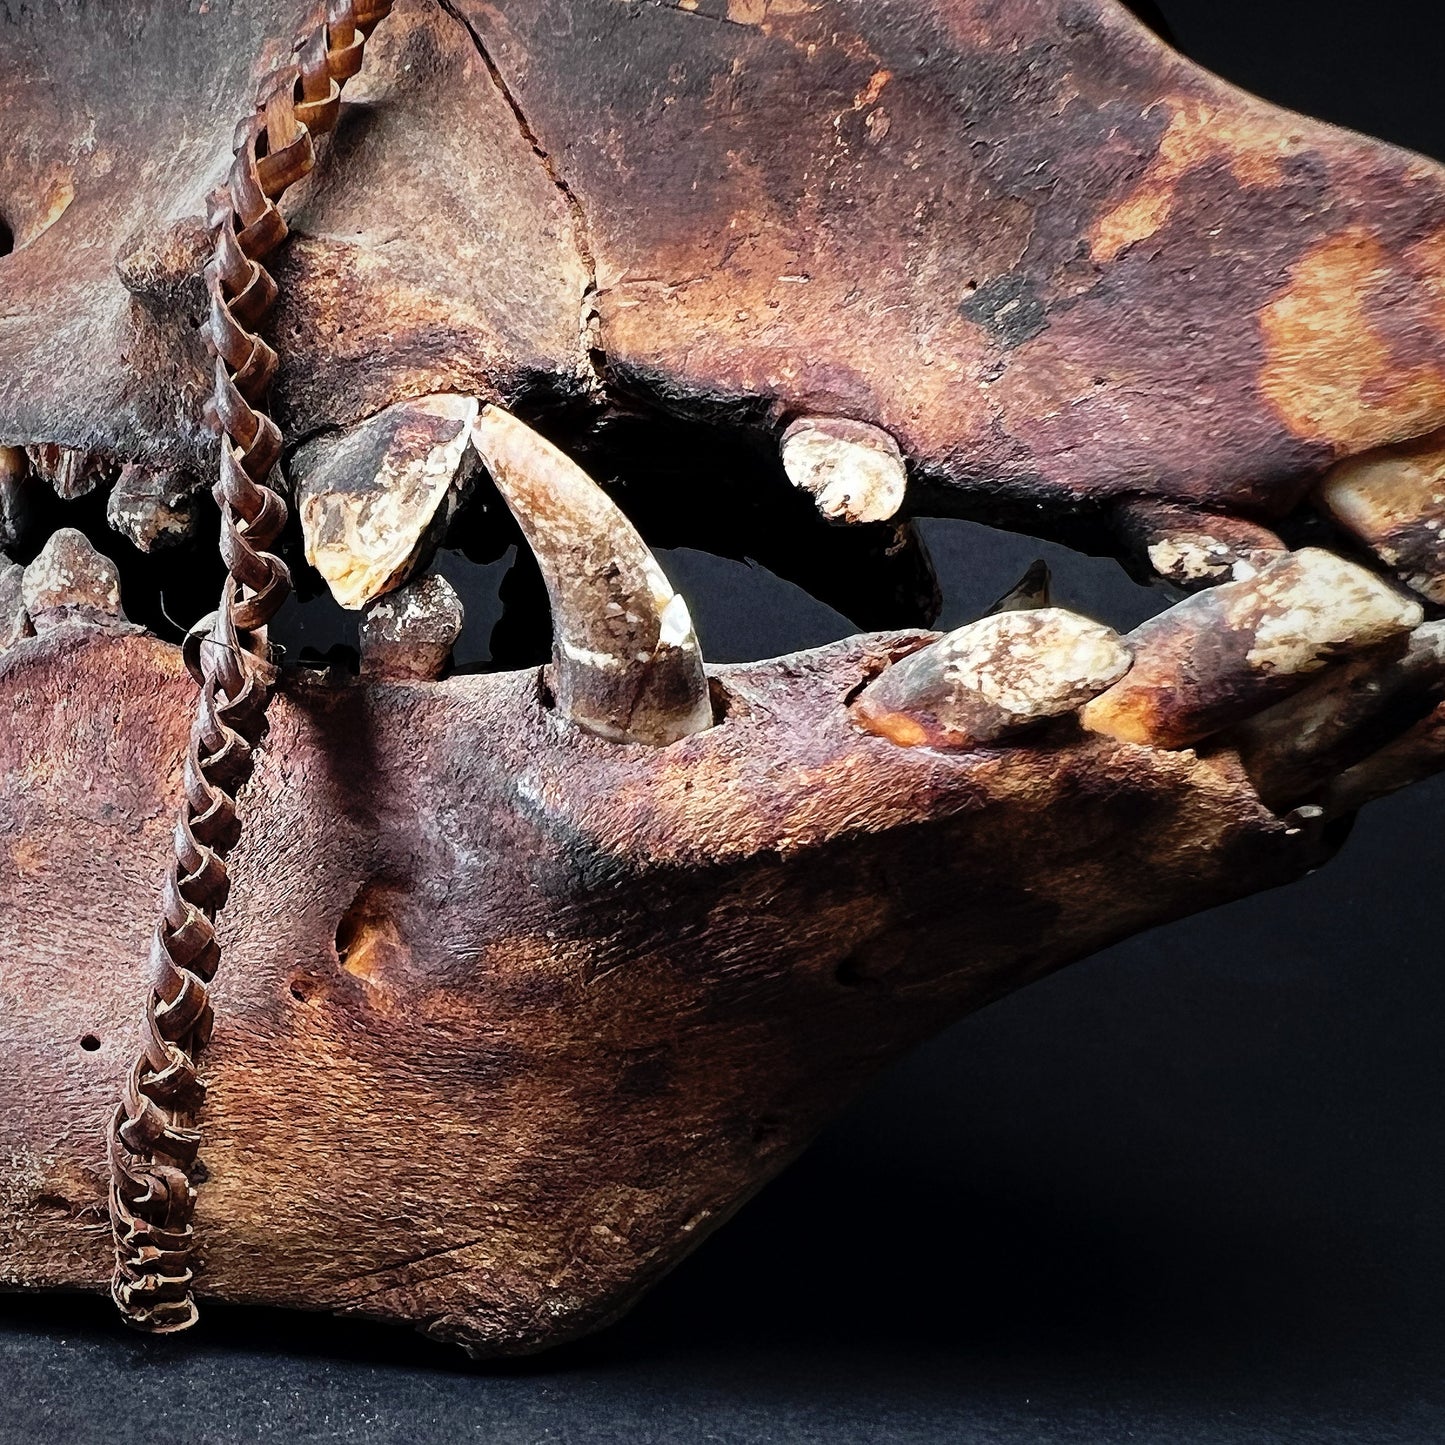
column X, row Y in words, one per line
column 532, row 978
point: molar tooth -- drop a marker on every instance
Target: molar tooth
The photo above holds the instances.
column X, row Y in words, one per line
column 71, row 473
column 1029, row 592
column 1225, row 654
column 626, row 664
column 70, row 579
column 14, row 503
column 991, row 678
column 1289, row 750
column 408, row 635
column 1393, row 500
column 854, row 470
column 154, row 508
column 375, row 500
column 14, row 619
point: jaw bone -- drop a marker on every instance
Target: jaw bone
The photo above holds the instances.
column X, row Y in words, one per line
column 626, row 663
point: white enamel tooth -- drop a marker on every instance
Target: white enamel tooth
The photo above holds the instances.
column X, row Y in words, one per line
column 375, row 500
column 853, row 470
column 991, row 678
column 626, row 664
column 408, row 635
column 70, row 580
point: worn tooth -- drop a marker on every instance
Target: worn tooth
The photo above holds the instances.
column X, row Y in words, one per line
column 375, row 500
column 70, row 579
column 1415, row 755
column 854, row 470
column 1223, row 655
column 992, row 678
column 155, row 508
column 408, row 635
column 1393, row 500
column 14, row 495
column 626, row 664
column 14, row 619
column 70, row 473
column 1029, row 592
column 1291, row 749
column 1191, row 548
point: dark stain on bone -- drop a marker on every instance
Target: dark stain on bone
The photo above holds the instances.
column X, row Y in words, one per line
column 1008, row 309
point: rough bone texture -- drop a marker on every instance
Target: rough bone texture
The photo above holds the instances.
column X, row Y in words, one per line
column 509, row 1028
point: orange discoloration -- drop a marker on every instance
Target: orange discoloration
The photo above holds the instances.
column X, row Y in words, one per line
column 1330, row 374
column 1198, row 135
column 897, row 727
column 28, row 857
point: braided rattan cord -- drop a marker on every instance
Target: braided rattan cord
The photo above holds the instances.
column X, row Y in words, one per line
column 153, row 1140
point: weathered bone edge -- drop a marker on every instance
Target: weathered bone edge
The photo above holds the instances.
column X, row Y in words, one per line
column 508, row 1064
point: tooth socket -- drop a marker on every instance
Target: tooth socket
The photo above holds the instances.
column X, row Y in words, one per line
column 1223, row 655
column 992, row 678
column 408, row 635
column 70, row 580
column 1393, row 500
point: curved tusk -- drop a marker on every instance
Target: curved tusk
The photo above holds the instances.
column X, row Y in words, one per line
column 626, row 664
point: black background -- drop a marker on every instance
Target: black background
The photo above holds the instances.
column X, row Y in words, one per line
column 1190, row 1190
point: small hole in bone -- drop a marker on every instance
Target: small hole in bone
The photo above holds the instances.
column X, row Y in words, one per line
column 7, row 238
column 90, row 1042
column 369, row 943
column 303, row 987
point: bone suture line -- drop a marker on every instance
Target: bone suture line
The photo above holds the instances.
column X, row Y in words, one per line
column 625, row 663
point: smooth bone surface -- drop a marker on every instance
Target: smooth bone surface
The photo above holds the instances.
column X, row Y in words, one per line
column 991, row 678
column 1222, row 655
column 625, row 661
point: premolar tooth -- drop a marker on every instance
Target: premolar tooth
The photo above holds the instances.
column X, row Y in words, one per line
column 1029, row 592
column 376, row 500
column 14, row 503
column 992, row 678
column 1192, row 548
column 408, row 635
column 154, row 507
column 71, row 473
column 626, row 663
column 70, row 579
column 1222, row 655
column 854, row 471
column 1293, row 748
column 1393, row 500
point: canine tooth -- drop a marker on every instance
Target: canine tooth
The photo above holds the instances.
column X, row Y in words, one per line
column 14, row 619
column 1393, row 500
column 70, row 579
column 854, row 470
column 1191, row 548
column 1289, row 750
column 375, row 500
column 1411, row 758
column 1223, row 655
column 154, row 508
column 408, row 635
column 992, row 677
column 69, row 472
column 14, row 503
column 1029, row 592
column 626, row 664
